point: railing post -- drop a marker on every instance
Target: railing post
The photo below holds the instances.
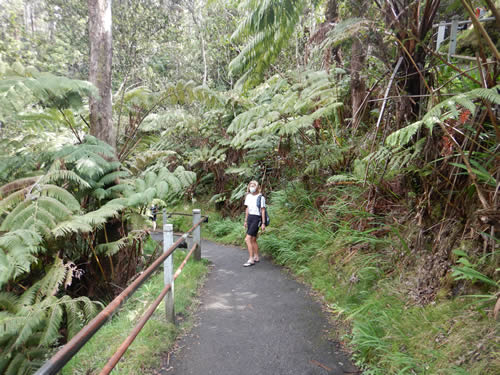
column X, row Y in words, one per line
column 197, row 233
column 168, row 270
column 441, row 34
column 453, row 37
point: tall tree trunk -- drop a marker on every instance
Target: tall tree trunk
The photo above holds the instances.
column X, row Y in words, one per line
column 28, row 17
column 411, row 24
column 191, row 5
column 331, row 12
column 101, row 122
column 358, row 87
column 358, row 57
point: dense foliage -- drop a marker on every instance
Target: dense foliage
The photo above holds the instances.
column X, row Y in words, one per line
column 386, row 149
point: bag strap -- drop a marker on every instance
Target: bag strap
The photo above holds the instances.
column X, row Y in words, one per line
column 259, row 201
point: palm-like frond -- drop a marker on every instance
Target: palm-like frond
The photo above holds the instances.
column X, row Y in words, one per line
column 20, row 88
column 344, row 30
column 447, row 109
column 31, row 323
column 285, row 108
column 269, row 25
column 162, row 185
column 18, row 250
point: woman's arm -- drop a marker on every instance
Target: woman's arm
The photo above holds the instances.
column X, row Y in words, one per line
column 263, row 215
column 246, row 217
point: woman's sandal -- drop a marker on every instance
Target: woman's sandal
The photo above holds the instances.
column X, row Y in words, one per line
column 256, row 260
column 248, row 264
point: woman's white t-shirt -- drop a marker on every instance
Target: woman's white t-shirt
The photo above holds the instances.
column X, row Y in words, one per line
column 251, row 203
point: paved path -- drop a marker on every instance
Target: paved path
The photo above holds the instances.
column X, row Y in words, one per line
column 255, row 320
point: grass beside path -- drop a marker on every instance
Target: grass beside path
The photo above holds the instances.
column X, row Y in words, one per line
column 156, row 337
column 366, row 281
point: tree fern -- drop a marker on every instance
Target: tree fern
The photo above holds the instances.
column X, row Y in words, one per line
column 111, row 248
column 18, row 250
column 44, row 206
column 31, row 323
column 267, row 28
column 325, row 156
column 344, row 30
column 21, row 88
column 286, row 108
column 447, row 109
column 162, row 185
column 214, row 155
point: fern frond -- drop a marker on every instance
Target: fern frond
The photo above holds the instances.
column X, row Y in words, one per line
column 64, row 175
column 162, row 188
column 9, row 302
column 269, row 25
column 13, row 200
column 448, row 108
column 73, row 225
column 55, row 207
column 112, row 248
column 344, row 30
column 18, row 250
column 50, row 284
column 101, row 215
column 18, row 362
column 89, row 308
column 402, row 136
column 74, row 317
column 54, row 318
column 62, row 195
column 31, row 323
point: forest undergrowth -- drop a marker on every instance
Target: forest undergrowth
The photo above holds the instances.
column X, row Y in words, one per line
column 377, row 150
column 368, row 279
column 157, row 338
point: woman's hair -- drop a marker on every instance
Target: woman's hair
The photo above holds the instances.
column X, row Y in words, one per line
column 256, row 185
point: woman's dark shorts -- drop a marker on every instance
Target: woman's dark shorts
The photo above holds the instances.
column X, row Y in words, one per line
column 253, row 225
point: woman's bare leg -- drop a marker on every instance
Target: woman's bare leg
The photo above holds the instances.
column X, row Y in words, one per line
column 255, row 249
column 249, row 242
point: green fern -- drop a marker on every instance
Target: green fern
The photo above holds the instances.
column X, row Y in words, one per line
column 18, row 250
column 43, row 207
column 31, row 323
column 206, row 155
column 324, row 156
column 286, row 108
column 23, row 87
column 90, row 159
column 447, row 109
column 163, row 185
column 344, row 30
column 267, row 28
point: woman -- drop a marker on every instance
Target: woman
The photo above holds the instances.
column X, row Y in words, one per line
column 253, row 218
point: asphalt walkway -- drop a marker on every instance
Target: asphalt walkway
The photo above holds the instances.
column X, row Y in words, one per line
column 255, row 320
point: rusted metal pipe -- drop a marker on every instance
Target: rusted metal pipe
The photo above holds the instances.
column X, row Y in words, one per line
column 178, row 214
column 57, row 362
column 128, row 341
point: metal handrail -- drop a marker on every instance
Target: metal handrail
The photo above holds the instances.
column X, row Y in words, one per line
column 128, row 341
column 464, row 22
column 58, row 360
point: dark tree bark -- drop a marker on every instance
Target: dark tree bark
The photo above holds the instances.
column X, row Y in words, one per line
column 358, row 86
column 100, row 36
column 358, row 57
column 411, row 25
column 331, row 12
